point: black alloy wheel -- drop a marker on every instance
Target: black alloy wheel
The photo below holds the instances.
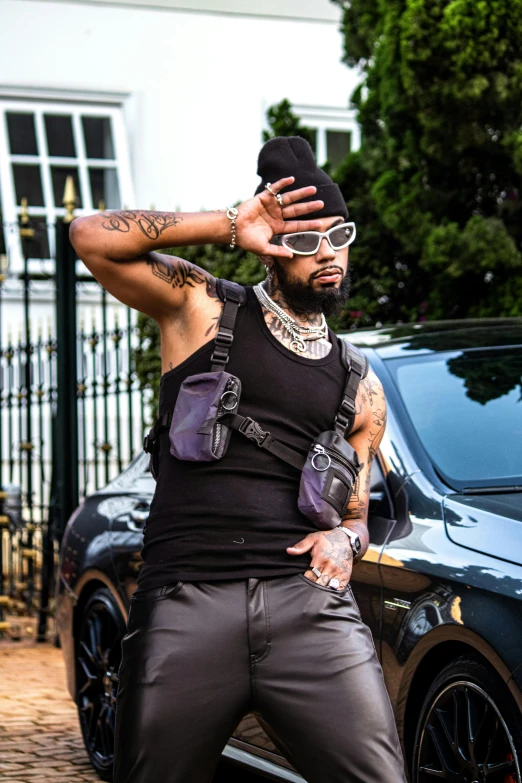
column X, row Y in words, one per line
column 98, row 657
column 469, row 728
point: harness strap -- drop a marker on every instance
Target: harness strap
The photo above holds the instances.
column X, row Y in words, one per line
column 252, row 430
column 356, row 364
column 162, row 423
column 233, row 295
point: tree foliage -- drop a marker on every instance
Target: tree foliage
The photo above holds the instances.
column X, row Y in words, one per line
column 435, row 186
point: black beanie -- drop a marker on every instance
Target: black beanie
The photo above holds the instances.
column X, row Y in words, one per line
column 292, row 156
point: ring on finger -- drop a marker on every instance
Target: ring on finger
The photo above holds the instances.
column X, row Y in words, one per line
column 268, row 187
column 334, row 582
column 316, row 571
column 279, row 200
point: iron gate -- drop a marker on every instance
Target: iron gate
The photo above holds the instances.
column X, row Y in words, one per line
column 72, row 411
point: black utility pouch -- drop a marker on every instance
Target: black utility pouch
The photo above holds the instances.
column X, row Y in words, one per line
column 195, row 433
column 327, row 480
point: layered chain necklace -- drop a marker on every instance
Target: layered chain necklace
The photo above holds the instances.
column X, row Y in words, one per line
column 298, row 333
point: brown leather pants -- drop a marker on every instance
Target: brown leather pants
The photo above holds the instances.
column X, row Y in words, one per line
column 198, row 656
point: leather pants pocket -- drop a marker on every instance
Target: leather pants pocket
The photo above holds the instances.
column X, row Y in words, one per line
column 333, row 590
column 156, row 593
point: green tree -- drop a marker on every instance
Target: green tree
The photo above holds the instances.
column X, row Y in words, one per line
column 283, row 122
column 435, row 186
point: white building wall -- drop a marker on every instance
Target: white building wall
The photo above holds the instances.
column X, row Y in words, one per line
column 196, row 85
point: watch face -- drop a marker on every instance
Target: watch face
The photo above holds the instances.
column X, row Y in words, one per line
column 357, row 544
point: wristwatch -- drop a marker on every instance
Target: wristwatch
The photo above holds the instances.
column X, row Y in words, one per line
column 355, row 541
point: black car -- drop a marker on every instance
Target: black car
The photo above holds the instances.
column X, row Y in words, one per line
column 440, row 586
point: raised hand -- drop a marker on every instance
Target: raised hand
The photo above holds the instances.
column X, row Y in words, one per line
column 261, row 217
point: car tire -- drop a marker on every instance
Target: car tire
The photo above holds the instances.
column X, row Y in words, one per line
column 468, row 719
column 98, row 656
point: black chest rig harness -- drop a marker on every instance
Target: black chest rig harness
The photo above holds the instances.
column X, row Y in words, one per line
column 207, row 412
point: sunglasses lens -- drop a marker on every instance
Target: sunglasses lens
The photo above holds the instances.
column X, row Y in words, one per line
column 302, row 243
column 341, row 236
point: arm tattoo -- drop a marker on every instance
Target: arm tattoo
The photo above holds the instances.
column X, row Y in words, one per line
column 177, row 273
column 151, row 224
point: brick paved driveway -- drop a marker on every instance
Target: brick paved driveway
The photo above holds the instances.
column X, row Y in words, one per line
column 40, row 739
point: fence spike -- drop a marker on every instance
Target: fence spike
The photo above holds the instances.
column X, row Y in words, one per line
column 26, row 232
column 69, row 199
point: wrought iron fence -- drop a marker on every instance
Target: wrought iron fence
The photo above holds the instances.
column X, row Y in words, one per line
column 108, row 411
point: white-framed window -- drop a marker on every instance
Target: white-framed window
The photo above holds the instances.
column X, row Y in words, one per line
column 42, row 142
column 336, row 131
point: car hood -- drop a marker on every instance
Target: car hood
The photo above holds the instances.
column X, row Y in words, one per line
column 491, row 524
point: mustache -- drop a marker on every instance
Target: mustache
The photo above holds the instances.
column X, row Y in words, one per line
column 330, row 268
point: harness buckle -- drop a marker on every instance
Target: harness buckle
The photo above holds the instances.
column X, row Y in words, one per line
column 224, row 338
column 253, row 431
column 347, row 407
column 148, row 443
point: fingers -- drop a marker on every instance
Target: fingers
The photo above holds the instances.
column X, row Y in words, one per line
column 278, row 250
column 292, row 195
column 294, row 210
column 292, row 226
column 302, row 546
column 328, row 571
column 296, row 195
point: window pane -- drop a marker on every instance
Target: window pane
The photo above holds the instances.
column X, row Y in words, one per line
column 60, row 139
column 38, row 245
column 337, row 146
column 22, row 134
column 104, row 188
column 59, row 174
column 28, row 184
column 98, row 137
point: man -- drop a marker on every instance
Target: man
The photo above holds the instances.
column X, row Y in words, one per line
column 242, row 603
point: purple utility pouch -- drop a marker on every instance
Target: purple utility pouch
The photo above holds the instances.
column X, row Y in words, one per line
column 327, row 480
column 195, row 432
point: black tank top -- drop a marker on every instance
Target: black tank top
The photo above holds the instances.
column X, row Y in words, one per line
column 234, row 517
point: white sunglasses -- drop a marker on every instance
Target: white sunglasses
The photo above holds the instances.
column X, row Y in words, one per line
column 307, row 243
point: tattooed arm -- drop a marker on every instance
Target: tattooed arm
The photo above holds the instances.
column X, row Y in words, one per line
column 330, row 549
column 366, row 439
column 119, row 248
column 131, row 238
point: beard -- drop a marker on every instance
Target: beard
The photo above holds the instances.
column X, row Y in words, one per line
column 304, row 299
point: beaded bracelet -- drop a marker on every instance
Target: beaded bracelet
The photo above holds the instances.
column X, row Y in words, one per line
column 232, row 214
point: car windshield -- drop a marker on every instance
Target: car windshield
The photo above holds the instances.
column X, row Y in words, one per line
column 466, row 407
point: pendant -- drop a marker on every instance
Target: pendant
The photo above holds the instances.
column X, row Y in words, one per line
column 297, row 346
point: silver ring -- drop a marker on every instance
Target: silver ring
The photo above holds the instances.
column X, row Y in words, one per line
column 321, row 454
column 316, row 571
column 334, row 582
column 267, row 187
column 279, row 200
column 224, row 396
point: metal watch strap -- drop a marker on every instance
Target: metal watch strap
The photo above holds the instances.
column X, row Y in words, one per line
column 352, row 537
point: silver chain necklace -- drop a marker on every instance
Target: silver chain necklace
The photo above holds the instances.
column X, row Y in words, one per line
column 298, row 333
